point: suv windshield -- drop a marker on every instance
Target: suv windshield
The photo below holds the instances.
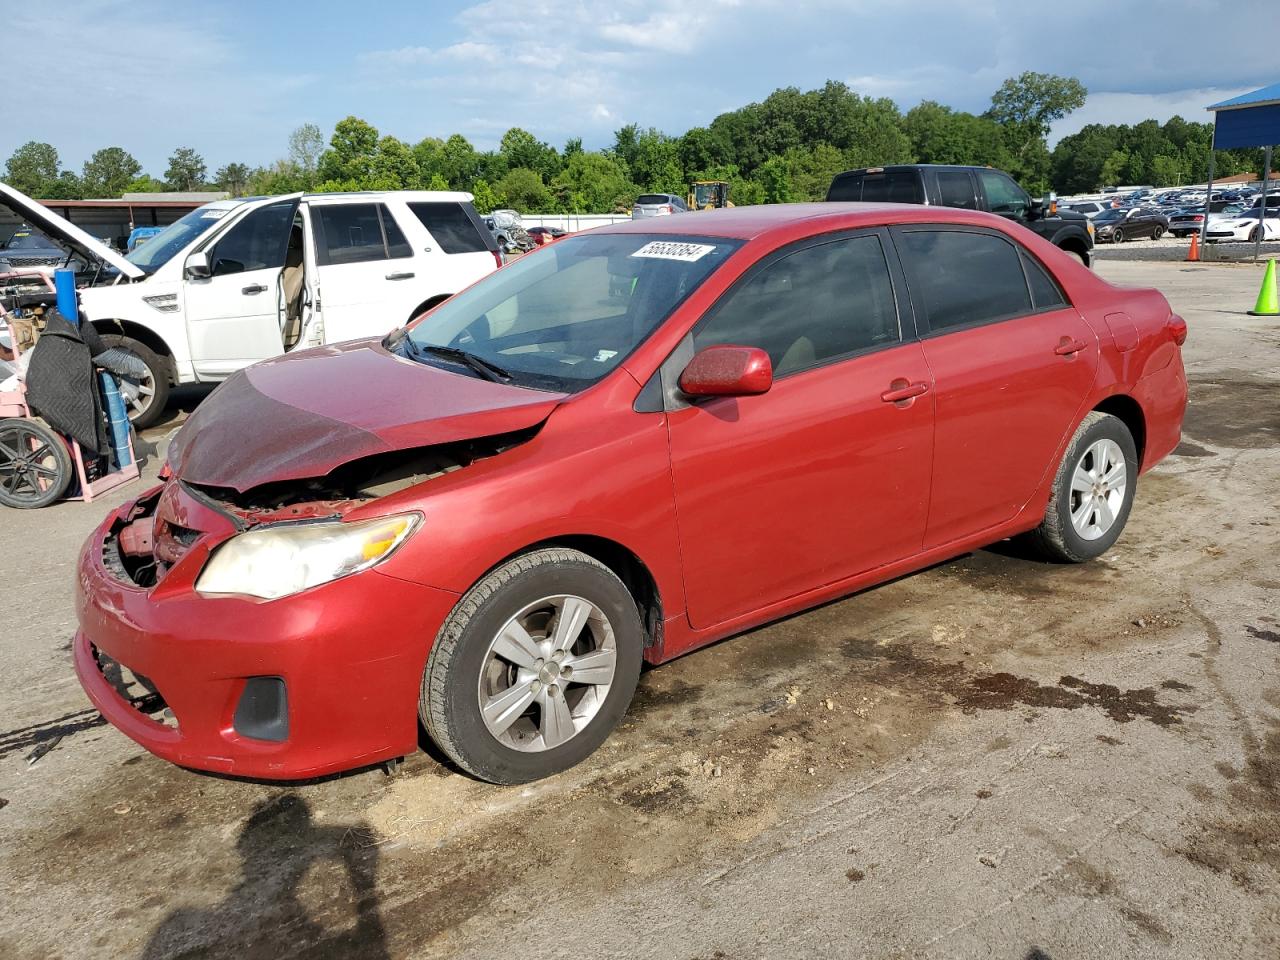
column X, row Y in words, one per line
column 161, row 248
column 562, row 318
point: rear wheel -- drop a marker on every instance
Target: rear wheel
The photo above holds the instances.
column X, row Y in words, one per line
column 145, row 397
column 35, row 464
column 534, row 667
column 1092, row 492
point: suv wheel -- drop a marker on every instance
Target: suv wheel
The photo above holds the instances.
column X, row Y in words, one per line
column 146, row 397
column 534, row 667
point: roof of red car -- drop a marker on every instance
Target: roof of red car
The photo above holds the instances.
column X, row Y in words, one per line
column 744, row 223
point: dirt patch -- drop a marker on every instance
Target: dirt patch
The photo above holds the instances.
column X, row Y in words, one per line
column 1271, row 636
column 1189, row 449
column 1239, row 412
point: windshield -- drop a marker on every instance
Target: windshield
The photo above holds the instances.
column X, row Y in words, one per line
column 30, row 241
column 1111, row 214
column 161, row 248
column 563, row 317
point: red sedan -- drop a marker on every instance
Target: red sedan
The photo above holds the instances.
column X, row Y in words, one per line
column 622, row 447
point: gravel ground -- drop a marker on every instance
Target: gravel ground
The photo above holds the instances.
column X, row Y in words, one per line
column 1175, row 248
column 994, row 757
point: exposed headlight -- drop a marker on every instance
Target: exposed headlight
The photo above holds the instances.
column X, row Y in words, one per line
column 278, row 561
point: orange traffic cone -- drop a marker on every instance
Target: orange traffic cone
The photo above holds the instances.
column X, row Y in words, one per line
column 1193, row 255
column 1268, row 304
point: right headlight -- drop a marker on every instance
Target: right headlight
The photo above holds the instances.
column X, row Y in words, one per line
column 274, row 562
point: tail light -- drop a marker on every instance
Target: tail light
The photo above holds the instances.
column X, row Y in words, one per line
column 499, row 258
column 1198, row 217
column 668, row 209
column 1178, row 329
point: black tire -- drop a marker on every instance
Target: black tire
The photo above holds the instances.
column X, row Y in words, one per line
column 1157, row 233
column 1255, row 234
column 1117, row 235
column 449, row 705
column 144, row 414
column 38, row 483
column 1056, row 537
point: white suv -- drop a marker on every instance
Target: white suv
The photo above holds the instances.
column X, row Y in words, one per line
column 238, row 281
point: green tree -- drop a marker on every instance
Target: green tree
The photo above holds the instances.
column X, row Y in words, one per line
column 1026, row 106
column 595, row 183
column 939, row 134
column 458, row 162
column 233, row 178
column 520, row 148
column 66, row 186
column 283, row 176
column 525, row 190
column 109, row 171
column 350, row 154
column 306, row 143
column 144, row 184
column 186, row 170
column 32, row 168
column 485, row 199
column 393, row 167
column 653, row 160
column 571, row 146
column 1115, row 170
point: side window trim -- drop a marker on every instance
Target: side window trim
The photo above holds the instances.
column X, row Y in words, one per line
column 925, row 331
column 1030, row 260
column 670, row 368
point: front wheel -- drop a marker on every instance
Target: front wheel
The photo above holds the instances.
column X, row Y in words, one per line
column 1117, row 235
column 534, row 667
column 1255, row 235
column 145, row 396
column 1157, row 233
column 1092, row 492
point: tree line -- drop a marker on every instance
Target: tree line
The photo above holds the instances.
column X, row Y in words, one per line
column 785, row 148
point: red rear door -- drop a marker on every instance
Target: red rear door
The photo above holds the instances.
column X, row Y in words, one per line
column 827, row 474
column 1012, row 362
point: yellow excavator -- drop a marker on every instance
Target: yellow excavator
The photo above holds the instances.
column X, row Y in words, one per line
column 709, row 195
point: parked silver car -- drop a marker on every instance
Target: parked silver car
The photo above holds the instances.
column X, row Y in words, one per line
column 657, row 205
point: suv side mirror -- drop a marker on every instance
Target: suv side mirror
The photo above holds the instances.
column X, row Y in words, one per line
column 727, row 371
column 197, row 267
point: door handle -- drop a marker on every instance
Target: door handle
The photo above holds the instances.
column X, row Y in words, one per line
column 253, row 288
column 901, row 390
column 407, row 275
column 1067, row 347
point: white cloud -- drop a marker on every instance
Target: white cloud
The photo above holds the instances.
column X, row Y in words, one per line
column 1108, row 107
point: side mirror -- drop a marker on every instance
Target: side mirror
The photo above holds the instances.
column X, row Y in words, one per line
column 197, row 267
column 727, row 371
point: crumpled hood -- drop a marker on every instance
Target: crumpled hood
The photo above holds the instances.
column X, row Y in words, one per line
column 303, row 415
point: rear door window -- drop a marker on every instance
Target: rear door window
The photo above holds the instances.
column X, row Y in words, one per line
column 811, row 306
column 955, row 189
column 451, row 226
column 960, row 278
column 894, row 186
column 357, row 233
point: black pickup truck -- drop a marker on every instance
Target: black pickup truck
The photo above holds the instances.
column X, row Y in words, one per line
column 972, row 188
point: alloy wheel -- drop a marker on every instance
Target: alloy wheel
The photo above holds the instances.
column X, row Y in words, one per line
column 547, row 673
column 1097, row 489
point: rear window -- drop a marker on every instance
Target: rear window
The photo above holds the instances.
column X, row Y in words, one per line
column 894, row 186
column 652, row 198
column 451, row 226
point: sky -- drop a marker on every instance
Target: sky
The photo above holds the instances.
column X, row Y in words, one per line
column 233, row 77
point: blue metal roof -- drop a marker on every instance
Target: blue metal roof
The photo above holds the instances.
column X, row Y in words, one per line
column 1257, row 98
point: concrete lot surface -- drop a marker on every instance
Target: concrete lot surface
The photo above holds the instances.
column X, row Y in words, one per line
column 993, row 758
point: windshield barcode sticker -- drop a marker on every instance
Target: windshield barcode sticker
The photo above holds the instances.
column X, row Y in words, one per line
column 213, row 214
column 666, row 250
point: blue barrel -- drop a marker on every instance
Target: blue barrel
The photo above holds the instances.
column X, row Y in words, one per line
column 119, row 418
column 64, row 282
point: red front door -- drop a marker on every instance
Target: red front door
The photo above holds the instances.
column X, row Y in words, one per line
column 824, row 476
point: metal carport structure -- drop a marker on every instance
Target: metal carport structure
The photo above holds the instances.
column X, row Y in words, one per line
column 1249, row 120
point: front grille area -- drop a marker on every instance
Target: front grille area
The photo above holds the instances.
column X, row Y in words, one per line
column 34, row 261
column 140, row 692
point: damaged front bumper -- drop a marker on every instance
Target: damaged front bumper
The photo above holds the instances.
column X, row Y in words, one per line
column 314, row 683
